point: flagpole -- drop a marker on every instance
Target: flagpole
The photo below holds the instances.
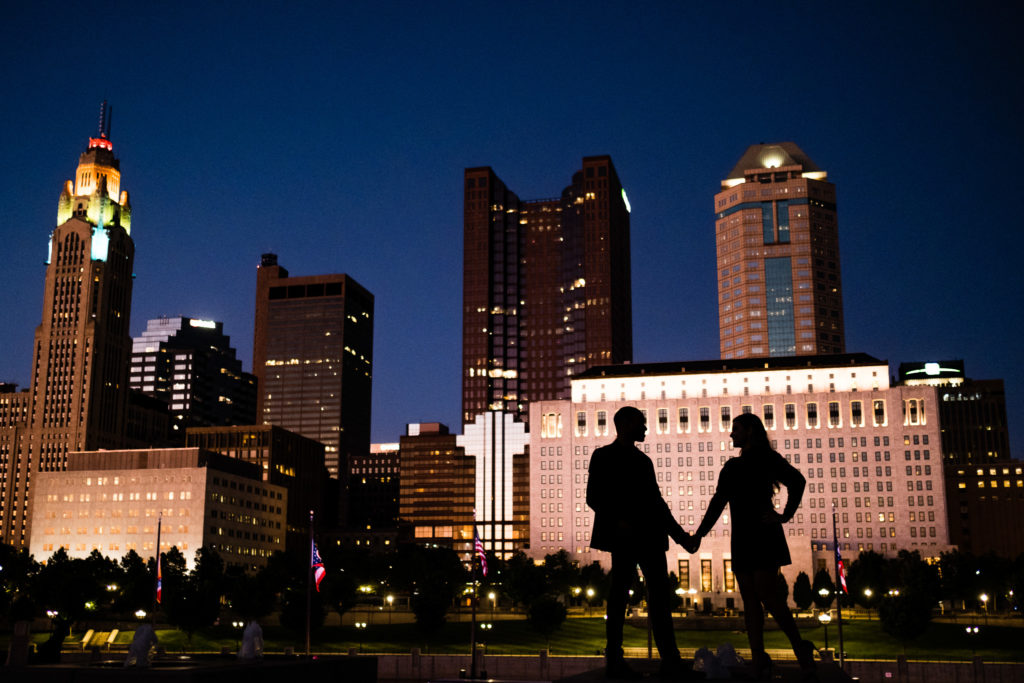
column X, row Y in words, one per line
column 839, row 596
column 156, row 584
column 309, row 581
column 472, row 620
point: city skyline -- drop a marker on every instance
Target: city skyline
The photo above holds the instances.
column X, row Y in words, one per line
column 342, row 155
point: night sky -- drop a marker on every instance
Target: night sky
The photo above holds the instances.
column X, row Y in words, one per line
column 335, row 134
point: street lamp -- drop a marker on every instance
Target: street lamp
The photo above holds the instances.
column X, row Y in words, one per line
column 972, row 631
column 590, row 597
column 391, row 604
column 360, row 627
column 494, row 602
column 825, row 618
column 140, row 614
column 984, row 603
column 238, row 625
column 867, row 594
column 824, row 593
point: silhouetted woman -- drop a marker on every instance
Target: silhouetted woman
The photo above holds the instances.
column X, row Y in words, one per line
column 748, row 484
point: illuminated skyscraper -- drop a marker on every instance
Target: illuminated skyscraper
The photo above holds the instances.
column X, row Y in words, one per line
column 313, row 359
column 546, row 288
column 189, row 364
column 77, row 400
column 779, row 288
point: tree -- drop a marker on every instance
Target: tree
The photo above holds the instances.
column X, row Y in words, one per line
column 905, row 615
column 137, row 585
column 958, row 575
column 249, row 595
column 782, row 586
column 803, row 596
column 17, row 573
column 293, row 611
column 525, row 580
column 824, row 590
column 594, row 576
column 867, row 573
column 192, row 600
column 561, row 575
column 916, row 576
column 546, row 615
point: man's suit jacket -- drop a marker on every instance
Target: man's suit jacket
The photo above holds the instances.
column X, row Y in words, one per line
column 629, row 512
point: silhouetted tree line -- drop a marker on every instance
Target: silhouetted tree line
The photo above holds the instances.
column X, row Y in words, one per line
column 432, row 580
column 904, row 589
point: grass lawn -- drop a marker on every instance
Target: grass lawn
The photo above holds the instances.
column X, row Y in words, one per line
column 862, row 640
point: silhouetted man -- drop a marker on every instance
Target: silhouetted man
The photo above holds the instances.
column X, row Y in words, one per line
column 633, row 522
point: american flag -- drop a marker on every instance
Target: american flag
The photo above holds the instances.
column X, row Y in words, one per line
column 318, row 567
column 841, row 570
column 159, row 579
column 478, row 548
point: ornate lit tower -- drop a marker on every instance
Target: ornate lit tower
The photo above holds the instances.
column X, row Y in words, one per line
column 79, row 386
column 777, row 242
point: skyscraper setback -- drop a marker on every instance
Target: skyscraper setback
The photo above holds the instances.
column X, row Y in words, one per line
column 77, row 400
column 779, row 286
column 313, row 359
column 546, row 287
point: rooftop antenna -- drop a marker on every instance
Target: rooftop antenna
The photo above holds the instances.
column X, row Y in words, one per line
column 110, row 119
column 103, row 119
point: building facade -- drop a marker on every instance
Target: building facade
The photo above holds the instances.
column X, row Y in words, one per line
column 546, row 288
column 499, row 446
column 972, row 411
column 779, row 287
column 869, row 451
column 189, row 364
column 285, row 459
column 984, row 486
column 374, row 487
column 112, row 501
column 313, row 359
column 437, row 482
column 78, row 395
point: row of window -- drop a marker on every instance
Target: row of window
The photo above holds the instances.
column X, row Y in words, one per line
column 913, row 414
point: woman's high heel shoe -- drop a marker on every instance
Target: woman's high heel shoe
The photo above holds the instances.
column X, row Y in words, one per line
column 762, row 666
column 805, row 657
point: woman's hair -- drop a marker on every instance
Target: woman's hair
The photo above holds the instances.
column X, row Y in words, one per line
column 757, row 440
column 758, row 437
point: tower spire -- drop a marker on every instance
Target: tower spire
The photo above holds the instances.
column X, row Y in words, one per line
column 103, row 124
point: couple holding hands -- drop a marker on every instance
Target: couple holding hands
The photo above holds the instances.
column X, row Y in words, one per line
column 633, row 523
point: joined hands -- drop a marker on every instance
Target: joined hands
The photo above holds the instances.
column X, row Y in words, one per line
column 689, row 541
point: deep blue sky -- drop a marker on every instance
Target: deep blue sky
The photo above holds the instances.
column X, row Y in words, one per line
column 335, row 134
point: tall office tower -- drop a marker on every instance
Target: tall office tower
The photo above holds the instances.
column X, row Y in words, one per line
column 78, row 396
column 545, row 290
column 779, row 290
column 313, row 359
column 190, row 365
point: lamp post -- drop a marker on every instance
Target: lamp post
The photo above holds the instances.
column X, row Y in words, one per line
column 239, row 625
column 824, row 592
column 984, row 603
column 825, row 618
column 360, row 627
column 391, row 606
column 493, row 597
column 972, row 631
column 867, row 596
column 590, row 597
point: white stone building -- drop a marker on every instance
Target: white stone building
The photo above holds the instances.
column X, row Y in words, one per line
column 870, row 450
column 111, row 501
